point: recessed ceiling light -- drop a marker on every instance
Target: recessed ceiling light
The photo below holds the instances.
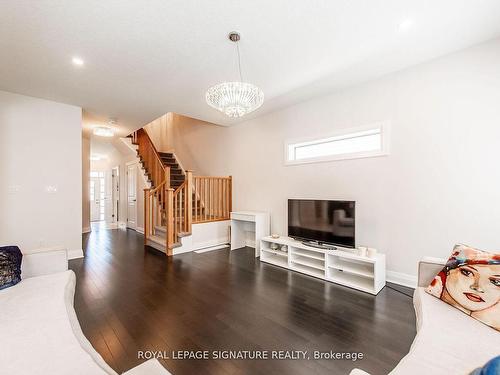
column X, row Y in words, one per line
column 77, row 61
column 104, row 131
column 405, row 25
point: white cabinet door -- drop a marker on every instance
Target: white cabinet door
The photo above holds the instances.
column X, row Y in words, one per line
column 132, row 196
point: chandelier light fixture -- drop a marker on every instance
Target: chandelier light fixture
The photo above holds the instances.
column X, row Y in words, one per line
column 105, row 131
column 237, row 98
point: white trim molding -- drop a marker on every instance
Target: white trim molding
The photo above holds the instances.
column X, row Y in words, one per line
column 207, row 249
column 403, row 279
column 139, row 229
column 75, row 253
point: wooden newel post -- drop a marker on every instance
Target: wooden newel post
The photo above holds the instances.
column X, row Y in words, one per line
column 189, row 200
column 170, row 221
column 146, row 214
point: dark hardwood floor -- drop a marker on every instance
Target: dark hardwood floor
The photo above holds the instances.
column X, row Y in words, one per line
column 129, row 300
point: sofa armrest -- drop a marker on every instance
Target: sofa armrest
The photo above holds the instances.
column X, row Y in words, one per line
column 429, row 267
column 150, row 367
column 44, row 261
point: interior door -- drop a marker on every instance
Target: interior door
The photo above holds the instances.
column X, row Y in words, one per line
column 108, row 197
column 132, row 196
column 95, row 199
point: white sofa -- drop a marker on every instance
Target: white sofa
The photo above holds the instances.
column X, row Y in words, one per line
column 39, row 330
column 447, row 341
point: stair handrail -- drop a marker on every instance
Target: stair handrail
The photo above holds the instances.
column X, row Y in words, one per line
column 152, row 159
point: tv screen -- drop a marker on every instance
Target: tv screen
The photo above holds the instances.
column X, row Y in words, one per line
column 324, row 221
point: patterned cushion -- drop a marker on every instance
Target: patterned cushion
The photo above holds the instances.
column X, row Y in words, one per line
column 490, row 368
column 10, row 266
column 470, row 282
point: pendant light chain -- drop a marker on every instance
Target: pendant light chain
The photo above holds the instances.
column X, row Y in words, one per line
column 239, row 60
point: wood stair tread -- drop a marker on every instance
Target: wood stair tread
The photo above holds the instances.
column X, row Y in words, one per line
column 160, row 241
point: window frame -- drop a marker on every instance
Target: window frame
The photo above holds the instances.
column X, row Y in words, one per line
column 384, row 151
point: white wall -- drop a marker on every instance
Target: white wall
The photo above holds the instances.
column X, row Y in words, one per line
column 158, row 130
column 40, row 151
column 85, row 184
column 210, row 234
column 439, row 186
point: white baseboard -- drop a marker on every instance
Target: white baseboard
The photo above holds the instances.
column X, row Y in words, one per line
column 75, row 254
column 250, row 243
column 86, row 230
column 212, row 248
column 207, row 244
column 403, row 279
column 122, row 224
column 140, row 230
column 182, row 250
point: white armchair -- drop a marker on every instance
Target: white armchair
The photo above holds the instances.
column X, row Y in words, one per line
column 37, row 315
column 44, row 261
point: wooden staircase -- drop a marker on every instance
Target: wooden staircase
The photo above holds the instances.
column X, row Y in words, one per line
column 177, row 175
column 177, row 199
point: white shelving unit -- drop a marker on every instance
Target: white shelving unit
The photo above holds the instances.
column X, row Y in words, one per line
column 337, row 266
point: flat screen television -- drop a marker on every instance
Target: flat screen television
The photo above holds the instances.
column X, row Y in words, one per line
column 322, row 221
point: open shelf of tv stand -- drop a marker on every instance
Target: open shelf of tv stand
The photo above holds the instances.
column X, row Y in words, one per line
column 341, row 266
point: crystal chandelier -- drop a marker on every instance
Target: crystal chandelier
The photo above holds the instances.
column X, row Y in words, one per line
column 235, row 99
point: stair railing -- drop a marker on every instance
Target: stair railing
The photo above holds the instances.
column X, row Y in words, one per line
column 212, row 198
column 157, row 172
column 154, row 214
column 198, row 199
column 180, row 199
column 156, row 199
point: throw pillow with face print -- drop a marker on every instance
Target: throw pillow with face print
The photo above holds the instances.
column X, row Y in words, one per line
column 470, row 281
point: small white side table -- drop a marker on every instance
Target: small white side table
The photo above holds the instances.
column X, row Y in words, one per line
column 247, row 229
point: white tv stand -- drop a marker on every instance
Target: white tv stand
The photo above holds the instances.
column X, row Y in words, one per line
column 337, row 266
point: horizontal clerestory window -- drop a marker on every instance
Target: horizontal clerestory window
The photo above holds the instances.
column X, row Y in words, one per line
column 363, row 142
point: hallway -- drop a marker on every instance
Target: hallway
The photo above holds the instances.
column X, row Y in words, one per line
column 129, row 300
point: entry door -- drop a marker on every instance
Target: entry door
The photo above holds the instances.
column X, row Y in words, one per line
column 132, row 195
column 96, row 196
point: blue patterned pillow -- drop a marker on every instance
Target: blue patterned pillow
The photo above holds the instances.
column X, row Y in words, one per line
column 10, row 266
column 490, row 368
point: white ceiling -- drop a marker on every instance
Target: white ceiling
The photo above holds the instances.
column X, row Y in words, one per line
column 146, row 58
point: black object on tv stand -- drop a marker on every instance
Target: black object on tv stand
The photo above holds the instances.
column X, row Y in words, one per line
column 319, row 245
